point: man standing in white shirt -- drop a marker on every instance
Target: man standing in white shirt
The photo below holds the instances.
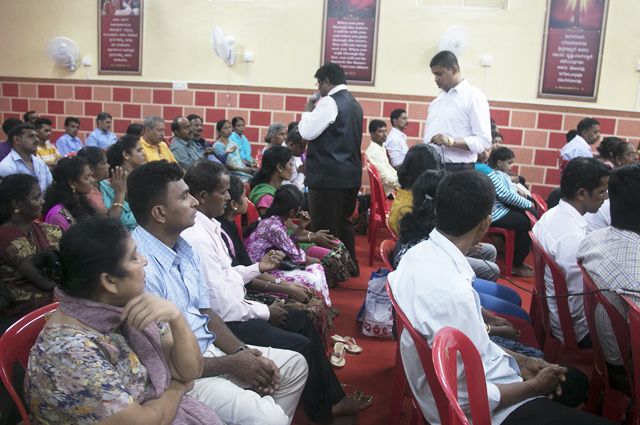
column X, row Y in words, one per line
column 515, row 382
column 396, row 143
column 333, row 128
column 458, row 122
column 580, row 146
column 560, row 230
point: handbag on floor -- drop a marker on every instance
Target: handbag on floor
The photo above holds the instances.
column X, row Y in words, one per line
column 376, row 312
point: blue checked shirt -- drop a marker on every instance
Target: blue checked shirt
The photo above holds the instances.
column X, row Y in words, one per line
column 14, row 164
column 611, row 256
column 174, row 274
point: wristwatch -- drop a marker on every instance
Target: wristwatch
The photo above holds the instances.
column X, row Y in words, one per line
column 450, row 140
column 242, row 348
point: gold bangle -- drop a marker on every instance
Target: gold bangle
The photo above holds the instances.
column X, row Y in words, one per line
column 118, row 204
column 488, row 328
column 309, row 235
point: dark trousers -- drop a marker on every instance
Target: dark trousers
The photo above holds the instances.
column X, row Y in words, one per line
column 453, row 167
column 298, row 334
column 518, row 221
column 331, row 209
column 560, row 410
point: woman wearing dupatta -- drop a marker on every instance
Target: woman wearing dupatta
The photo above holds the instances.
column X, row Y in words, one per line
column 111, row 352
column 21, row 237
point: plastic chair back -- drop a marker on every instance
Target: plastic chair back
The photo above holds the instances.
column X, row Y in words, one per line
column 532, row 218
column 634, row 328
column 540, row 306
column 509, row 246
column 615, row 401
column 562, row 164
column 379, row 211
column 252, row 212
column 447, row 343
column 15, row 346
column 541, row 204
column 386, row 250
column 424, row 351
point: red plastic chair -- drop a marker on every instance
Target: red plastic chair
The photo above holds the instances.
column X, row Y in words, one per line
column 541, row 204
column 446, row 345
column 379, row 209
column 509, row 243
column 15, row 345
column 386, row 249
column 539, row 311
column 532, row 218
column 615, row 402
column 252, row 212
column 634, row 327
column 400, row 379
column 70, row 154
column 562, row 164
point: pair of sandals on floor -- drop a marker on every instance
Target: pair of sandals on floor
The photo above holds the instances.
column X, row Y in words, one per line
column 342, row 345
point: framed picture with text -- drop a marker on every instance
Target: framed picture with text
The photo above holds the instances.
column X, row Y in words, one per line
column 120, row 37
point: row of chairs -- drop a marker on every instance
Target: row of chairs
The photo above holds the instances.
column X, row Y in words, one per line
column 439, row 363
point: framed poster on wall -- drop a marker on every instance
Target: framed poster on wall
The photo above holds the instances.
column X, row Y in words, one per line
column 120, row 37
column 350, row 37
column 572, row 49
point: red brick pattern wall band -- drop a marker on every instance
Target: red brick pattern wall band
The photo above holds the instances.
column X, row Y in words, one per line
column 534, row 132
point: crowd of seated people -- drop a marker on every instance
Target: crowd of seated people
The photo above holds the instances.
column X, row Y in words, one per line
column 243, row 333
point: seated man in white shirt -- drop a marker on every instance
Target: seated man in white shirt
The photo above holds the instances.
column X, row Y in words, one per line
column 255, row 323
column 561, row 229
column 433, row 288
column 396, row 143
column 580, row 145
column 377, row 155
column 610, row 256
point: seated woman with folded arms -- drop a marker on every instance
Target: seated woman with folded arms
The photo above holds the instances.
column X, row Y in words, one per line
column 21, row 237
column 111, row 353
column 225, row 146
column 65, row 201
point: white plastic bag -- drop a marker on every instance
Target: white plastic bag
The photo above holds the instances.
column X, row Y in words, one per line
column 376, row 312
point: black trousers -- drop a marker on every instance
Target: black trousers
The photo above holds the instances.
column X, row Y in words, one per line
column 298, row 334
column 517, row 220
column 560, row 410
column 331, row 209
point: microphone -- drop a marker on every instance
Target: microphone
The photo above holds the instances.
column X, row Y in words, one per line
column 316, row 96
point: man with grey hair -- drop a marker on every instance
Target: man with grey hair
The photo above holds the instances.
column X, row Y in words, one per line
column 152, row 140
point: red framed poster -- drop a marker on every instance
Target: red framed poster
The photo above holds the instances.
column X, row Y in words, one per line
column 350, row 36
column 120, row 37
column 572, row 52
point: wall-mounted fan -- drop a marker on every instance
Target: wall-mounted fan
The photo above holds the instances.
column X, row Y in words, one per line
column 63, row 51
column 454, row 39
column 223, row 45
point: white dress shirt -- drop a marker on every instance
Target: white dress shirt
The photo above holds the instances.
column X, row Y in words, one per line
column 312, row 124
column 432, row 285
column 396, row 146
column 577, row 147
column 462, row 112
column 226, row 283
column 378, row 157
column 559, row 232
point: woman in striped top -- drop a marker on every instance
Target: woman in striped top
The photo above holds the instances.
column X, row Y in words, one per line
column 509, row 208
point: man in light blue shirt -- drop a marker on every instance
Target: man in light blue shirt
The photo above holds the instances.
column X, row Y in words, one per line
column 22, row 159
column 163, row 208
column 101, row 136
column 68, row 142
column 580, row 146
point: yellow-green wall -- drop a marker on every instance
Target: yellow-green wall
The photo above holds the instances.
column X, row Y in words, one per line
column 285, row 36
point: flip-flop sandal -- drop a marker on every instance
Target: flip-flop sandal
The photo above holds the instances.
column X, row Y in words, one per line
column 357, row 395
column 349, row 343
column 337, row 355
